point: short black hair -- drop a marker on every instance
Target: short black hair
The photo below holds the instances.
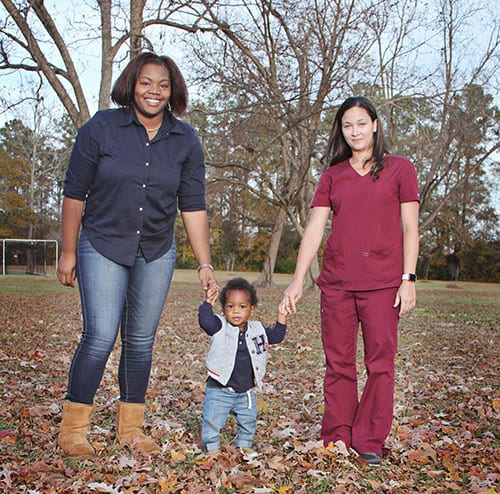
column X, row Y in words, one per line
column 239, row 284
column 124, row 87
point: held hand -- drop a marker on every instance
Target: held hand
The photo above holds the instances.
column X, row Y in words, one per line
column 207, row 277
column 212, row 293
column 66, row 269
column 406, row 297
column 282, row 313
column 291, row 296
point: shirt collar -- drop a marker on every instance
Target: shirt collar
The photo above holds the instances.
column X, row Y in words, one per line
column 170, row 124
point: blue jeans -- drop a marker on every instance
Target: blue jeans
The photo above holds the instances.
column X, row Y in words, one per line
column 219, row 403
column 115, row 297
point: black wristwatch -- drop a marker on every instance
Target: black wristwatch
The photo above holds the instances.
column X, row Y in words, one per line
column 409, row 277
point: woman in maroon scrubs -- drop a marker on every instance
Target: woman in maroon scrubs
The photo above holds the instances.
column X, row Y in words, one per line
column 368, row 273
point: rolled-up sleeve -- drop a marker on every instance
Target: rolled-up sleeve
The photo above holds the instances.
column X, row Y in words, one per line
column 82, row 164
column 191, row 194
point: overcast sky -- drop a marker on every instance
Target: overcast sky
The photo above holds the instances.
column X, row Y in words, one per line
column 75, row 19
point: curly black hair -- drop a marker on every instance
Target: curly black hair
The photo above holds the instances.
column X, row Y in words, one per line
column 239, row 284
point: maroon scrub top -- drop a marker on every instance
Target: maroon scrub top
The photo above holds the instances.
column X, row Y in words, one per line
column 365, row 248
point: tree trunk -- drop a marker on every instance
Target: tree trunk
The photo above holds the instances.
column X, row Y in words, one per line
column 107, row 54
column 136, row 39
column 78, row 112
column 266, row 276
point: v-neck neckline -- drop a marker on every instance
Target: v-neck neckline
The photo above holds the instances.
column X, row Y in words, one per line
column 356, row 171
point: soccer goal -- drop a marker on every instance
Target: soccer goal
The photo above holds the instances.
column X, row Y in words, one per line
column 29, row 256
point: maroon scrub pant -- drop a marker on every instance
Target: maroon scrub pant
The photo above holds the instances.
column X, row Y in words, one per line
column 362, row 423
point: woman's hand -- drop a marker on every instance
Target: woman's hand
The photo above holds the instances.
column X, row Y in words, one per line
column 66, row 269
column 290, row 298
column 406, row 297
column 71, row 219
column 207, row 278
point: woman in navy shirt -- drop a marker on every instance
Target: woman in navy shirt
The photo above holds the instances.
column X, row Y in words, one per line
column 367, row 276
column 130, row 170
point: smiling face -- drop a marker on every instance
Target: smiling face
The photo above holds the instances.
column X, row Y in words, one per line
column 238, row 308
column 152, row 91
column 358, row 129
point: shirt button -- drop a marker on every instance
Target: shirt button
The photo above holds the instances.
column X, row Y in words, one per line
column 147, row 144
column 147, row 164
column 143, row 186
column 138, row 232
column 140, row 209
column 366, row 254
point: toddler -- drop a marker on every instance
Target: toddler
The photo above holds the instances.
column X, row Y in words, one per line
column 236, row 361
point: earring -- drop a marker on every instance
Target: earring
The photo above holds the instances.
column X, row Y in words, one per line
column 169, row 106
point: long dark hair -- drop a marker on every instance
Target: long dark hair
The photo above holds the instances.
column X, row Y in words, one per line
column 338, row 150
column 124, row 87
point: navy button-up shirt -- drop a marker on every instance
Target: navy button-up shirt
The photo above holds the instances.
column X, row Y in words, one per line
column 131, row 186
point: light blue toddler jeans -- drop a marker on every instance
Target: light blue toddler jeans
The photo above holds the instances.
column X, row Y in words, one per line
column 219, row 403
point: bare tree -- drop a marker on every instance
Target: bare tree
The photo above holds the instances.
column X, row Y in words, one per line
column 447, row 157
column 31, row 41
column 41, row 156
column 270, row 73
column 433, row 96
column 273, row 67
column 39, row 61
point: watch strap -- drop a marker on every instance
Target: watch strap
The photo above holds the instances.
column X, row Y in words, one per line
column 409, row 277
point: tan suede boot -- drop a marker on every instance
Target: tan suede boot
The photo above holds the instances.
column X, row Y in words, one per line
column 73, row 434
column 129, row 420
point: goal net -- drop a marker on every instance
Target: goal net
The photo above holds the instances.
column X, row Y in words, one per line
column 29, row 256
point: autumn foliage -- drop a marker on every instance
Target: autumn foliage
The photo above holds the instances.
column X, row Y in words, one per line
column 445, row 435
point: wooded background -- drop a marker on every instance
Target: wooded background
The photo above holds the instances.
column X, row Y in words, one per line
column 265, row 78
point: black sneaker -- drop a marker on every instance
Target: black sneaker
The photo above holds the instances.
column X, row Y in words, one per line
column 372, row 459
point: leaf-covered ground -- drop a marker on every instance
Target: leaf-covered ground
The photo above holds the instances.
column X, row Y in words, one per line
column 445, row 436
